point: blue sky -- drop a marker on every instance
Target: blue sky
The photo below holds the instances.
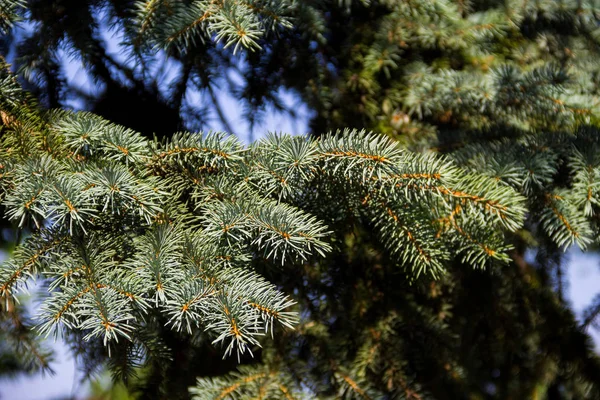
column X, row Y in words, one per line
column 165, row 73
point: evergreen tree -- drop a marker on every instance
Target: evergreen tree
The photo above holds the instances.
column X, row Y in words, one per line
column 398, row 262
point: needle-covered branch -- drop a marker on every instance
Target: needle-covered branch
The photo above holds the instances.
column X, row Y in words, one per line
column 174, row 226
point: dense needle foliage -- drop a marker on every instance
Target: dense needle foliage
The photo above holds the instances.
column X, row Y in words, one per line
column 343, row 265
